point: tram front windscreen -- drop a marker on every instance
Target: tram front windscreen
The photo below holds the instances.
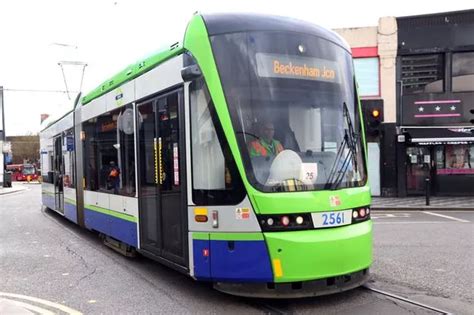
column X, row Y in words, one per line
column 293, row 106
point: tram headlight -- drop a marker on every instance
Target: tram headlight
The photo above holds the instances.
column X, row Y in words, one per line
column 299, row 220
column 285, row 222
column 360, row 214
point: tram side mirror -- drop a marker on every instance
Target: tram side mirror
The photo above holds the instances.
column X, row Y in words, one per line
column 190, row 73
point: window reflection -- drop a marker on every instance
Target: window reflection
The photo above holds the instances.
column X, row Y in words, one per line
column 463, row 72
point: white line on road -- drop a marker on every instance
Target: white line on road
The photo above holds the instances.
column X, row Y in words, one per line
column 414, row 222
column 29, row 307
column 446, row 216
column 58, row 306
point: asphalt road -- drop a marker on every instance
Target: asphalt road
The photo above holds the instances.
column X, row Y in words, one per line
column 423, row 256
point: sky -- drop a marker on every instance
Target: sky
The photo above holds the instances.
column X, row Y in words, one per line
column 107, row 35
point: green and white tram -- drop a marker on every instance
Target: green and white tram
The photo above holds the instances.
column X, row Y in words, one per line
column 236, row 156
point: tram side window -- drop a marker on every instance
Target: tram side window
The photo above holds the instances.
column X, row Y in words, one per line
column 109, row 156
column 215, row 177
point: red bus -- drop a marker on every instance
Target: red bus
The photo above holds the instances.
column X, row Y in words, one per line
column 23, row 172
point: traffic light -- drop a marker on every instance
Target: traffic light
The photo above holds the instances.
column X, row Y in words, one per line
column 373, row 117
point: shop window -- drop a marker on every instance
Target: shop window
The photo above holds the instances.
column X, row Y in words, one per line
column 455, row 159
column 109, row 156
column 463, row 72
column 367, row 76
column 423, row 74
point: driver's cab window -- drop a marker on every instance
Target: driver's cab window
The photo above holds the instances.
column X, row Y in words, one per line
column 215, row 178
column 294, row 144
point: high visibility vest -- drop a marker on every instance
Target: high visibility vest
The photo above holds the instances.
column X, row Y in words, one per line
column 261, row 148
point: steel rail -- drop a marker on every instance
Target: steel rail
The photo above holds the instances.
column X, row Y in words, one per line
column 406, row 300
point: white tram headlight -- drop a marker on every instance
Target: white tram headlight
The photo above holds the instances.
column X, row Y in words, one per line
column 355, row 214
column 270, row 222
column 299, row 220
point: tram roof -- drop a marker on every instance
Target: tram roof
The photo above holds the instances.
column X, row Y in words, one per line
column 216, row 24
column 224, row 23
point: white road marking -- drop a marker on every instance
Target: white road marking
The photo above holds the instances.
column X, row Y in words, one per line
column 41, row 301
column 446, row 216
column 414, row 222
column 34, row 309
column 390, row 215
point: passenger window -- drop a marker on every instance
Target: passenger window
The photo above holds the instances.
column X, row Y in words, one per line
column 109, row 154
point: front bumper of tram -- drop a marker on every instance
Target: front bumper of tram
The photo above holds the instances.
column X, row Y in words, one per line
column 309, row 262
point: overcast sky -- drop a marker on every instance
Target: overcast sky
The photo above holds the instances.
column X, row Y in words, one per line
column 108, row 35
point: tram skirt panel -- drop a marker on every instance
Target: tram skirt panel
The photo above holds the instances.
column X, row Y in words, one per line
column 120, row 229
column 240, row 261
column 48, row 200
column 70, row 211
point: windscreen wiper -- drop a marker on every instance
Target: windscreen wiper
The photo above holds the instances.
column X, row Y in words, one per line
column 338, row 169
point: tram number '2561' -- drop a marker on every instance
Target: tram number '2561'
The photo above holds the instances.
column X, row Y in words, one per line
column 333, row 218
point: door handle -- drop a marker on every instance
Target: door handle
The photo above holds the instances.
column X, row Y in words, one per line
column 157, row 145
column 160, row 160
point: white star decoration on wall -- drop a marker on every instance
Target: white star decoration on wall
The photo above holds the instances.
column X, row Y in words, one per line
column 437, row 108
column 453, row 107
column 420, row 109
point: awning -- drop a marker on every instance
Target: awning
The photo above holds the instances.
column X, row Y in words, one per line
column 431, row 136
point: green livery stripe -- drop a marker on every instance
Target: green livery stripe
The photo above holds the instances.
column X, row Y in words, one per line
column 236, row 236
column 69, row 200
column 133, row 71
column 116, row 214
column 200, row 236
column 225, row 236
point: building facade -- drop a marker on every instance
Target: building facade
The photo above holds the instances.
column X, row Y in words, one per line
column 425, row 80
column 435, row 76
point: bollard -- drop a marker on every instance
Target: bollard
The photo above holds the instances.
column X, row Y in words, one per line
column 427, row 190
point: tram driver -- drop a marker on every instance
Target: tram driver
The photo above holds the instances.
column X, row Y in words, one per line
column 266, row 145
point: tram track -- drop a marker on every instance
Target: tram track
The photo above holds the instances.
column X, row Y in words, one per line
column 267, row 308
column 405, row 300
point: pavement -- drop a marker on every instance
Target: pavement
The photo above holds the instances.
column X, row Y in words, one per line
column 16, row 186
column 419, row 203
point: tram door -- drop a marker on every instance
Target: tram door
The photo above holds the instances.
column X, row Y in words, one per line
column 58, row 173
column 162, row 194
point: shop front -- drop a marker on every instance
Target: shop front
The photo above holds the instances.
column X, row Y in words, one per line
column 444, row 156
